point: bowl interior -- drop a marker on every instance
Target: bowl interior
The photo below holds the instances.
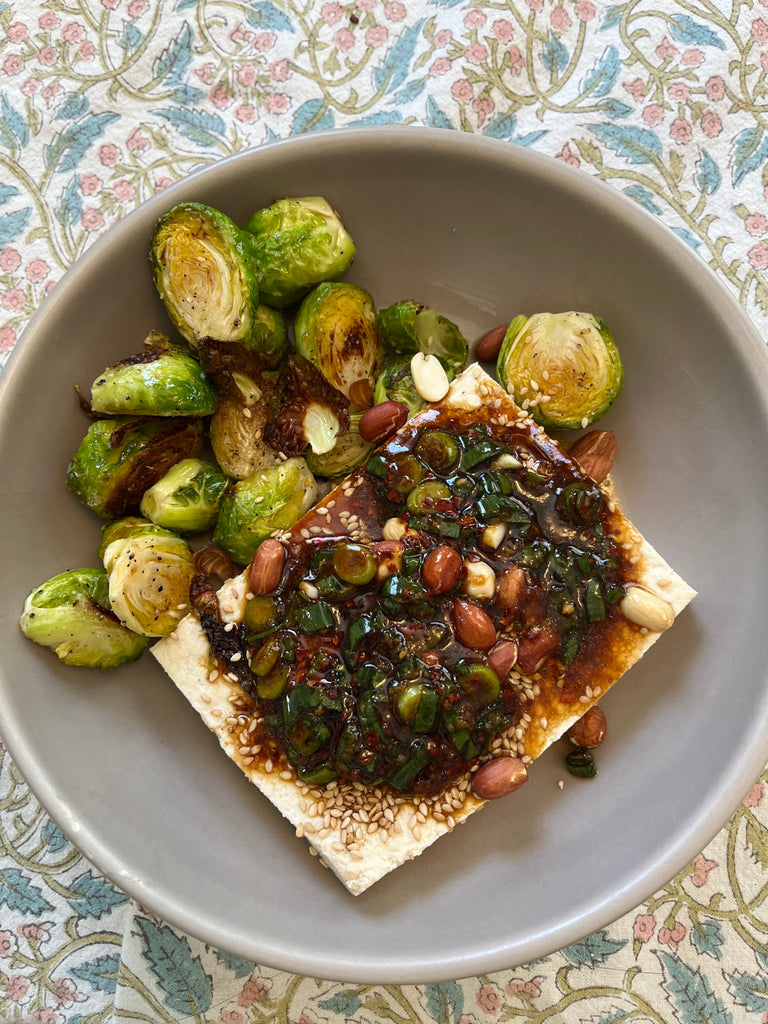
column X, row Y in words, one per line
column 483, row 231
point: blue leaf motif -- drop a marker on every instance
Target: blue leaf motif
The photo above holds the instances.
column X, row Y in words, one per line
column 691, row 993
column 383, row 117
column 392, row 72
column 238, row 965
column 707, row 937
column 555, row 55
column 750, row 990
column 411, row 90
column 638, row 145
column 196, row 125
column 94, row 896
column 187, row 94
column 73, row 107
column 15, row 122
column 748, row 152
column 644, row 197
column 530, row 138
column 602, row 77
column 312, row 116
column 70, row 207
column 53, row 837
column 18, row 893
column 180, row 976
column 686, row 30
column 131, row 39
column 446, row 3
column 173, row 62
column 445, row 999
column 266, row 15
column 7, row 192
column 436, row 116
column 615, row 108
column 71, row 144
column 612, row 17
column 593, row 950
column 186, row 5
column 689, row 239
column 501, row 126
column 346, row 1003
column 100, row 974
column 11, row 225
column 708, row 176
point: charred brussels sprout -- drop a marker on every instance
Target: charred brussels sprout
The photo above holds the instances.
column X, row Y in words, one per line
column 155, row 383
column 129, row 526
column 269, row 337
column 395, row 384
column 298, row 244
column 204, row 269
column 409, row 327
column 187, row 498
column 149, row 580
column 335, row 328
column 118, row 460
column 272, row 499
column 313, row 414
column 565, row 367
column 71, row 614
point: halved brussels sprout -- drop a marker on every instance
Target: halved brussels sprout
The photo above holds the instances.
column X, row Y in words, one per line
column 129, row 526
column 187, row 498
column 204, row 269
column 269, row 337
column 149, row 580
column 349, row 452
column 155, row 383
column 298, row 244
column 313, row 413
column 395, row 384
column 71, row 614
column 119, row 459
column 272, row 499
column 335, row 328
column 409, row 327
column 564, row 368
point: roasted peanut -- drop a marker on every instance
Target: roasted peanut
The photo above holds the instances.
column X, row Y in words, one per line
column 499, row 777
column 474, row 628
column 381, row 421
column 266, row 567
column 534, row 648
column 510, row 587
column 488, row 347
column 645, row 608
column 441, row 569
column 502, row 656
column 590, row 730
column 429, row 377
column 595, row 453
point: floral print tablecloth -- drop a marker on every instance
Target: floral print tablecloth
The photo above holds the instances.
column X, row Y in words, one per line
column 105, row 102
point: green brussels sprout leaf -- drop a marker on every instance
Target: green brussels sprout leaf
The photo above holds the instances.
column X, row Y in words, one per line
column 269, row 337
column 154, row 383
column 395, row 384
column 409, row 327
column 187, row 498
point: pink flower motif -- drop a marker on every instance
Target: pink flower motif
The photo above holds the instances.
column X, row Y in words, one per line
column 344, row 40
column 92, row 219
column 475, row 19
column 279, row 71
column 72, row 32
column 7, row 341
column 535, row 5
column 110, row 4
column 108, row 154
column 136, row 142
column 246, row 75
column 277, row 103
column 17, row 986
column 755, row 796
column 568, row 156
column 701, row 870
column 759, row 30
column 332, row 13
column 47, row 55
column 90, row 184
column 365, row 5
column 17, row 31
column 49, row 91
column 264, row 41
column 645, row 926
column 13, row 298
column 439, row 66
column 502, row 30
column 37, row 270
column 230, row 1017
column 653, row 113
column 461, row 91
column 585, row 10
column 376, row 35
column 679, row 92
column 7, row 943
column 681, row 130
column 46, row 1016
column 12, row 64
column 47, row 21
column 204, row 73
column 30, row 86
column 394, row 10
column 245, row 113
column 49, row 286
column 240, row 34
column 136, row 8
column 86, row 50
column 516, row 60
column 489, row 999
column 10, row 259
column 711, row 124
column 65, row 993
column 635, row 88
column 483, row 106
column 123, row 190
column 443, row 37
column 220, row 97
column 524, row 989
column 666, row 49
column 559, row 19
column 715, row 87
column 252, row 992
column 764, row 61
column 672, row 937
column 691, row 58
column 163, row 182
column 476, row 53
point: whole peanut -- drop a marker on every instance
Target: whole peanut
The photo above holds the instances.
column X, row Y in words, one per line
column 595, row 453
column 267, row 567
column 510, row 586
column 381, row 421
column 590, row 730
column 534, row 648
column 499, row 777
column 441, row 569
column 474, row 628
column 488, row 347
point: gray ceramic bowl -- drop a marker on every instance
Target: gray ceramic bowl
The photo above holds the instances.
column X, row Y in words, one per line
column 482, row 230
